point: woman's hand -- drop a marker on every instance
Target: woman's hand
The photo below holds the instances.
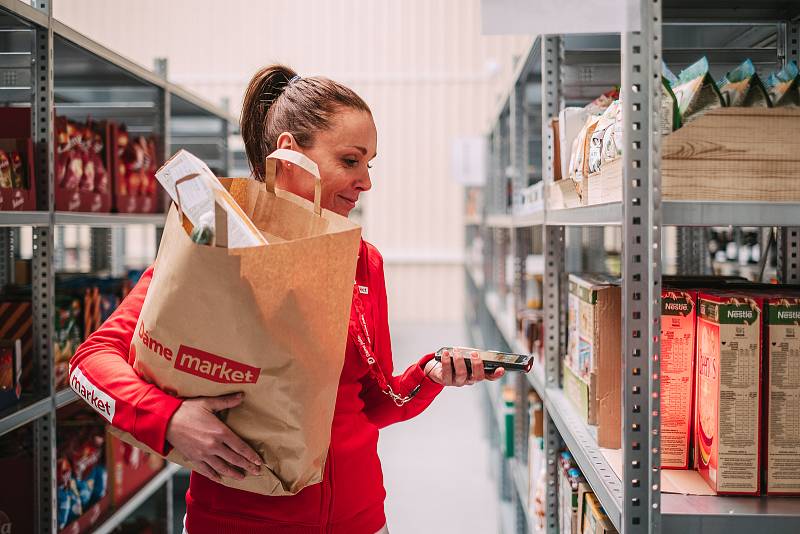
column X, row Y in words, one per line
column 452, row 371
column 197, row 433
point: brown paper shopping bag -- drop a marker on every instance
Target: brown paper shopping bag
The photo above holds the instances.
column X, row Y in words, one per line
column 269, row 321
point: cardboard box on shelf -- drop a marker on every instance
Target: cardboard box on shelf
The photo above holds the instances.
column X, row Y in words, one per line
column 594, row 519
column 728, row 406
column 17, row 178
column 571, row 487
column 129, row 469
column 594, row 350
column 781, row 428
column 678, row 316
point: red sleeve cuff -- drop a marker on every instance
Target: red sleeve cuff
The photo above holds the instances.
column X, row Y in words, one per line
column 153, row 413
column 428, row 388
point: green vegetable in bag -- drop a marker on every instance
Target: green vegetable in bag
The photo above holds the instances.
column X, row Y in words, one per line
column 696, row 92
column 669, row 114
column 742, row 87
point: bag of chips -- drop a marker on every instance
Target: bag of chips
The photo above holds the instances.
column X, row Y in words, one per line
column 604, row 127
column 696, row 92
column 742, row 87
column 784, row 86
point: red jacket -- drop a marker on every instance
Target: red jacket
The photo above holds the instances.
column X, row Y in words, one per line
column 349, row 499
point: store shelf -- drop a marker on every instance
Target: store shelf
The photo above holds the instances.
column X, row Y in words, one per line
column 122, row 513
column 693, row 514
column 505, row 323
column 65, row 396
column 25, row 11
column 23, row 414
column 476, row 275
column 473, row 220
column 536, row 378
column 520, row 477
column 599, row 215
column 710, row 213
column 104, row 220
column 582, row 443
column 525, row 220
column 499, row 221
column 24, row 218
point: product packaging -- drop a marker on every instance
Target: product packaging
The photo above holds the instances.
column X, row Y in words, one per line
column 784, row 86
column 696, row 92
column 594, row 356
column 536, row 459
column 82, row 160
column 605, row 127
column 781, row 428
column 678, row 316
column 17, row 180
column 16, row 322
column 17, row 503
column 571, row 485
column 68, row 335
column 601, row 103
column 135, row 162
column 570, row 123
column 594, row 518
column 509, row 400
column 728, row 403
column 579, row 164
column 129, row 469
column 670, row 115
column 743, row 88
column 10, row 372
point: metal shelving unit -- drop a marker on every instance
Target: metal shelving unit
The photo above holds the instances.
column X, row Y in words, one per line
column 572, row 70
column 58, row 68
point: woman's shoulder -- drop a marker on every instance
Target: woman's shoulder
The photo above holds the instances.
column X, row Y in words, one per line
column 374, row 257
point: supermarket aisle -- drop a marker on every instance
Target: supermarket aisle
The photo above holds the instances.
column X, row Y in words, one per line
column 436, row 466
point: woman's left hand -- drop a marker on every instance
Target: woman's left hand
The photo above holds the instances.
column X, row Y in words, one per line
column 452, row 371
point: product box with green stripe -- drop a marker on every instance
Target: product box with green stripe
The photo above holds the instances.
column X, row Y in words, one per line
column 594, row 354
column 781, row 433
column 728, row 402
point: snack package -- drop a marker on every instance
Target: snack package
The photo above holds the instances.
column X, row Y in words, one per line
column 696, row 92
column 67, row 496
column 19, row 174
column 5, row 170
column 669, row 113
column 606, row 124
column 68, row 335
column 601, row 103
column 784, row 86
column 10, row 372
column 742, row 87
column 91, row 476
column 579, row 165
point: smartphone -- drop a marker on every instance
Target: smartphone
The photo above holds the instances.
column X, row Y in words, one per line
column 492, row 359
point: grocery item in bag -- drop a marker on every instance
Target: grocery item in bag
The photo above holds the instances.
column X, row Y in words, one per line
column 696, row 92
column 601, row 103
column 285, row 350
column 579, row 164
column 784, row 86
column 743, row 88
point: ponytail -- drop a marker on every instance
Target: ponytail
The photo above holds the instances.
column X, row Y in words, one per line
column 277, row 101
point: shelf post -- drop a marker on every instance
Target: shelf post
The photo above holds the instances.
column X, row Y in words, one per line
column 553, row 239
column 641, row 286
column 43, row 286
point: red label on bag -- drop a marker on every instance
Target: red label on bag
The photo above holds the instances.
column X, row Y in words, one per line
column 215, row 368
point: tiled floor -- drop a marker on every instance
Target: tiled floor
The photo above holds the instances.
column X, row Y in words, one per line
column 436, row 466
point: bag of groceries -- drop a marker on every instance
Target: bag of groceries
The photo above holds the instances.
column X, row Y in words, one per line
column 263, row 310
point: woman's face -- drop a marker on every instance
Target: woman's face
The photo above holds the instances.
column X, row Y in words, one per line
column 343, row 153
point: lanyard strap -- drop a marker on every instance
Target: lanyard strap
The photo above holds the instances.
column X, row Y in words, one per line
column 359, row 333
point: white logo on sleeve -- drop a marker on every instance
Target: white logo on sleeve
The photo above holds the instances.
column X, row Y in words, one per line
column 364, row 290
column 100, row 401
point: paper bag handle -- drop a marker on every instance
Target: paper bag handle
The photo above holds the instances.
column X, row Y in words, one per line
column 302, row 161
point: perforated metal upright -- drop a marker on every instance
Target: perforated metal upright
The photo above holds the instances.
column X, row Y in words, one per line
column 554, row 266
column 641, row 286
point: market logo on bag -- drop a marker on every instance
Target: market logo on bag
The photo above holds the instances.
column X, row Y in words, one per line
column 215, row 368
column 201, row 363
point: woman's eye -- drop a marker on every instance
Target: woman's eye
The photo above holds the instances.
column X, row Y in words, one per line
column 351, row 162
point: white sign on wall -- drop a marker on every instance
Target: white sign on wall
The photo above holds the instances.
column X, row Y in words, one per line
column 551, row 17
column 468, row 160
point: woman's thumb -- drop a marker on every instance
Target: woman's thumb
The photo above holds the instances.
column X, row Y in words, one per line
column 223, row 402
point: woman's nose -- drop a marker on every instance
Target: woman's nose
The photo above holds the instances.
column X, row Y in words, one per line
column 365, row 182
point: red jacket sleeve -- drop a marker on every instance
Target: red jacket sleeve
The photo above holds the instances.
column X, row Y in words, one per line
column 101, row 372
column 379, row 408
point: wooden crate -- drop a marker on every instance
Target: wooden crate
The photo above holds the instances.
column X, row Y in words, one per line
column 728, row 154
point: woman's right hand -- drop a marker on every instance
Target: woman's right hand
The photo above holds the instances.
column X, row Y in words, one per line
column 214, row 450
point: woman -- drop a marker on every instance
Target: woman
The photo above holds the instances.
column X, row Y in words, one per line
column 334, row 127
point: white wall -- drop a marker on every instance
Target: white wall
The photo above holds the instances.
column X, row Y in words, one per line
column 422, row 66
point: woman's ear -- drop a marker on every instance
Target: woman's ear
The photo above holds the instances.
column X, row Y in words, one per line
column 286, row 140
